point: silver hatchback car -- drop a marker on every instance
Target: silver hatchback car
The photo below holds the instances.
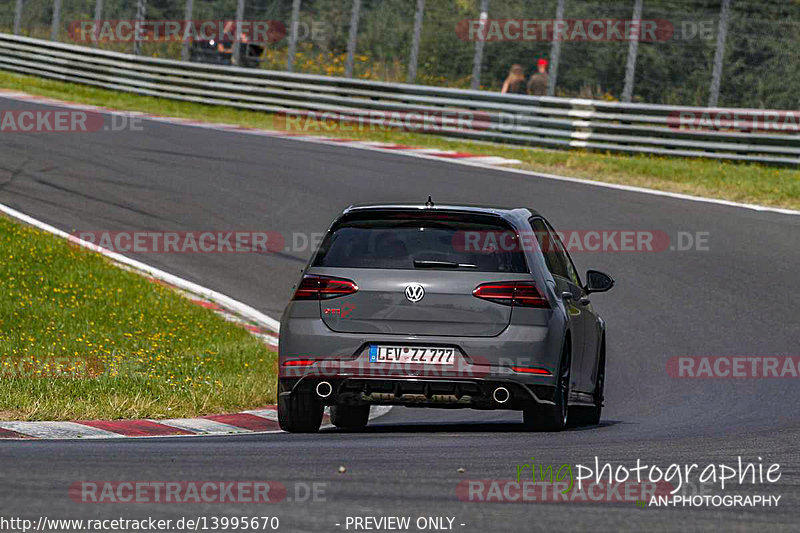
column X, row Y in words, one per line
column 441, row 306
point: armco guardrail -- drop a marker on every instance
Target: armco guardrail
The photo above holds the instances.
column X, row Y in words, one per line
column 513, row 119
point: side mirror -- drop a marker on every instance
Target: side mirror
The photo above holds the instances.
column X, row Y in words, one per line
column 597, row 281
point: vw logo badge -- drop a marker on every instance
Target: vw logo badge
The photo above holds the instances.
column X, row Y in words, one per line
column 415, row 292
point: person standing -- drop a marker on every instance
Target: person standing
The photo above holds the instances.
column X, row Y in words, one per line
column 537, row 84
column 515, row 81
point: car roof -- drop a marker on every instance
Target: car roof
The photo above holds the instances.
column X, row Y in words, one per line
column 505, row 212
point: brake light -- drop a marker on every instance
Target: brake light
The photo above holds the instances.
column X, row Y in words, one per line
column 521, row 293
column 323, row 288
column 526, row 370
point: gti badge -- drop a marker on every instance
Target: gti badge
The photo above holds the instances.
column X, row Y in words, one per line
column 340, row 312
column 414, row 292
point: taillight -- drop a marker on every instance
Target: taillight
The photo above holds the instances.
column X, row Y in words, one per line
column 323, row 288
column 521, row 293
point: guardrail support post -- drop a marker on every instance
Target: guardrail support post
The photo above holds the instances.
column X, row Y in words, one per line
column 293, row 35
column 719, row 53
column 188, row 31
column 141, row 8
column 18, row 17
column 98, row 15
column 55, row 24
column 555, row 53
column 237, row 40
column 351, row 41
column 477, row 62
column 633, row 50
column 413, row 59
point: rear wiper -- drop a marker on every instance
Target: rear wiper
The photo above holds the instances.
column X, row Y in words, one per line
column 441, row 264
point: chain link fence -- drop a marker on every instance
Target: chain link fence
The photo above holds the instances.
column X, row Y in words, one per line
column 732, row 53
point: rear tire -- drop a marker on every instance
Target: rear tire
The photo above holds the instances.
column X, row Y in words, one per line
column 299, row 413
column 553, row 417
column 350, row 416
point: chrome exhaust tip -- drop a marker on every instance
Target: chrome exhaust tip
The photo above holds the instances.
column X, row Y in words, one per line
column 501, row 395
column 324, row 389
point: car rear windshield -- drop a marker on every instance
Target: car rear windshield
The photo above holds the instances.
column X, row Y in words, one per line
column 413, row 240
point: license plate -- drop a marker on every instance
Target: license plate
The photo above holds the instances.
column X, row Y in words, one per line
column 412, row 354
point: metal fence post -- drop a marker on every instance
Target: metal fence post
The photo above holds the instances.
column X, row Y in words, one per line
column 141, row 8
column 351, row 41
column 188, row 31
column 719, row 53
column 293, row 35
column 55, row 24
column 477, row 62
column 555, row 52
column 633, row 50
column 98, row 15
column 237, row 53
column 18, row 17
column 413, row 59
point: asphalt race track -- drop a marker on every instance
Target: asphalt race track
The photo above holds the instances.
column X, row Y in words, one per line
column 739, row 297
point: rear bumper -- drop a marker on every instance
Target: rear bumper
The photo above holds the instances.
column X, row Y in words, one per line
column 482, row 364
column 411, row 391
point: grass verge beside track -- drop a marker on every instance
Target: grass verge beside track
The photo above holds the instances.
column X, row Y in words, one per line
column 739, row 182
column 81, row 338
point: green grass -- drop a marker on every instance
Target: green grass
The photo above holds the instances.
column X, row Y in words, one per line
column 83, row 339
column 740, row 182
